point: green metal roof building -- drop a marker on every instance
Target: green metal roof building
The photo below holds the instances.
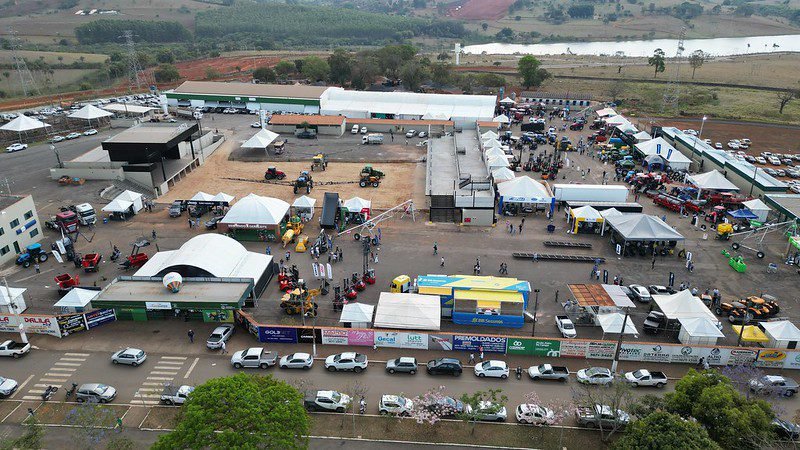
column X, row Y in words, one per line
column 299, row 99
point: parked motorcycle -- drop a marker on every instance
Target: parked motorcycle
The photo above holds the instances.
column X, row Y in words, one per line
column 519, row 372
column 72, row 390
column 49, row 393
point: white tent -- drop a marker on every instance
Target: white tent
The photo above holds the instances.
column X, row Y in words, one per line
column 524, row 189
column 135, row 198
column 643, row 227
column 491, row 142
column 627, row 128
column 262, row 139
column 585, row 214
column 256, row 210
column 76, row 300
column 118, row 206
column 11, row 299
column 496, row 162
column 128, row 109
column 494, row 151
column 357, row 205
column 612, row 323
column 616, row 120
column 503, row 174
column 781, row 334
column 699, row 331
column 90, row 112
column 713, row 181
column 223, row 198
column 502, row 118
column 304, row 207
column 642, row 136
column 606, row 112
column 358, row 315
column 507, row 101
column 758, row 208
column 408, row 312
column 683, row 305
column 610, row 212
column 202, row 197
column 24, row 123
column 489, row 135
column 659, row 146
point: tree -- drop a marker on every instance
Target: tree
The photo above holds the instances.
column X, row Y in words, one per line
column 581, row 11
column 413, row 75
column 341, row 66
column 428, row 408
column 481, row 403
column 212, row 72
column 505, row 34
column 32, row 439
column 241, row 411
column 784, row 97
column 616, row 88
column 441, row 73
column 665, row 430
column 529, row 69
column 166, row 73
column 285, row 68
column 484, row 26
column 165, row 56
column 265, row 74
column 744, row 10
column 315, row 68
column 365, row 70
column 657, row 61
column 616, row 395
column 696, row 60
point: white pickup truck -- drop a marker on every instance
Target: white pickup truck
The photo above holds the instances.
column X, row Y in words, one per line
column 330, row 401
column 176, row 396
column 644, row 377
column 566, row 327
column 14, row 349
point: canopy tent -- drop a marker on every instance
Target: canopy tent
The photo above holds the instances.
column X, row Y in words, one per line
column 751, row 333
column 496, row 162
column 584, row 214
column 781, row 334
column 118, row 206
column 90, row 112
column 76, row 300
column 23, row 124
column 11, row 300
column 759, row 208
column 711, row 181
column 502, row 118
column 128, row 109
column 358, row 205
column 655, row 162
column 643, row 227
column 661, row 147
column 610, row 212
column 744, row 214
column 698, row 331
column 612, row 323
column 491, row 142
column 684, row 305
column 304, row 207
column 616, row 120
column 223, row 198
column 503, row 174
column 202, row 197
column 408, row 312
column 358, row 315
column 606, row 112
column 133, row 197
column 262, row 139
column 433, row 115
column 524, row 189
column 489, row 135
column 507, row 101
column 627, row 128
column 256, row 211
column 642, row 136
column 494, row 151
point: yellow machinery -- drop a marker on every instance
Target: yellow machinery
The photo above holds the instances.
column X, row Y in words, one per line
column 302, row 244
column 288, row 237
column 299, row 301
column 724, row 231
column 295, row 224
column 401, row 284
column 319, row 161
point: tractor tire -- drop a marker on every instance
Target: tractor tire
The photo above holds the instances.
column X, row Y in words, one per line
column 760, row 255
column 26, row 264
column 362, row 183
column 718, row 311
column 735, row 246
column 357, row 236
column 42, row 257
column 376, row 184
column 295, row 189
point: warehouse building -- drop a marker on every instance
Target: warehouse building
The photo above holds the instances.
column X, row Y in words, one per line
column 323, row 125
column 19, row 226
column 299, row 99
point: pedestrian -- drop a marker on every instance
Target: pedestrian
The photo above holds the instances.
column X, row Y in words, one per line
column 376, row 255
column 222, row 347
column 269, row 250
column 481, row 354
column 520, row 228
column 523, row 221
column 500, row 271
column 471, row 358
column 37, row 268
column 597, row 275
column 588, row 170
column 191, row 336
column 288, row 256
column 435, row 248
column 190, row 223
column 653, row 263
column 706, row 366
column 442, row 264
column 119, row 423
column 691, row 267
column 30, row 412
column 406, row 141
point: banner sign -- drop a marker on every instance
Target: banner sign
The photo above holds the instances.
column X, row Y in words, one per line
column 771, row 358
column 440, row 342
column 71, row 323
column 33, row 324
column 534, row 347
column 157, row 305
column 309, row 335
column 792, row 360
column 573, row 349
column 361, row 337
column 401, row 340
column 600, row 350
column 217, row 316
column 277, row 334
column 490, row 344
column 334, row 337
column 99, row 316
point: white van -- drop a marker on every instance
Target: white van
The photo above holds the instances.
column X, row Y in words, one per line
column 354, row 130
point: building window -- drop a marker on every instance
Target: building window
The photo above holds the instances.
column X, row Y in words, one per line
column 28, row 215
column 4, row 250
column 14, row 223
column 34, row 232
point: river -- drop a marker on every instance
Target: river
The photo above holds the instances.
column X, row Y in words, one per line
column 714, row 47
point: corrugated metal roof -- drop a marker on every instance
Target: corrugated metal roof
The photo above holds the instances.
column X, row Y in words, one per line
column 251, row 90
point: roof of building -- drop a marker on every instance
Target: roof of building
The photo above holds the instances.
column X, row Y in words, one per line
column 191, row 292
column 149, row 134
column 788, row 204
column 297, row 119
column 251, row 90
column 128, row 108
column 422, row 122
column 8, row 200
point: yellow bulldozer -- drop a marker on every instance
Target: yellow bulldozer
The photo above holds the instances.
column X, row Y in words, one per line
column 300, row 300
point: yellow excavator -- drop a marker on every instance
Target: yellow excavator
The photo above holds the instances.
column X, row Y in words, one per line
column 300, row 300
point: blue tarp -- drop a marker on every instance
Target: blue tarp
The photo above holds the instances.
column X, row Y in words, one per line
column 742, row 214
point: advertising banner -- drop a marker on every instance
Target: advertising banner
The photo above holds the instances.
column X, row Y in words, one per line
column 574, row 349
column 534, row 347
column 361, row 337
column 401, row 340
column 309, row 335
column 217, row 316
column 600, row 350
column 9, row 324
column 41, row 325
column 70, row 323
column 334, row 337
column 490, row 344
column 99, row 317
column 440, row 342
column 737, row 356
column 157, row 305
column 792, row 360
column 277, row 334
column 771, row 358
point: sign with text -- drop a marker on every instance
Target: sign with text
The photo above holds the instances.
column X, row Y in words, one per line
column 440, row 342
column 573, row 349
column 401, row 339
column 99, row 316
column 534, row 347
column 361, row 337
column 334, row 337
column 771, row 358
column 71, row 323
column 600, row 349
column 490, row 344
column 277, row 334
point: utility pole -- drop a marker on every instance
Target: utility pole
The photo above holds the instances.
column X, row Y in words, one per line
column 133, row 61
column 672, row 92
column 619, row 342
column 535, row 308
column 25, row 77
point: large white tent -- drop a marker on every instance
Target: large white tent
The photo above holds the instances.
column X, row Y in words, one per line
column 503, row 174
column 711, row 181
column 118, row 206
column 642, row 136
column 408, row 312
column 612, row 324
column 133, row 197
column 256, row 210
column 128, row 109
column 202, row 197
column 659, row 146
column 491, row 142
column 494, row 151
column 524, row 189
column 23, row 124
column 643, row 227
column 606, row 112
column 698, row 331
column 781, row 334
column 358, row 315
column 90, row 112
column 76, row 300
column 759, row 208
column 223, row 198
column 489, row 135
column 502, row 118
column 304, row 206
column 262, row 139
column 683, row 305
column 496, row 162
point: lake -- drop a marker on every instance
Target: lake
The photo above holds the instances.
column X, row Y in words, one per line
column 714, row 47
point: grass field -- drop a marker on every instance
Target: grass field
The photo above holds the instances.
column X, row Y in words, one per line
column 52, row 57
column 61, row 79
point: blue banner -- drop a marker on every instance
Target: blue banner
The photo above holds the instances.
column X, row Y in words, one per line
column 277, row 334
column 100, row 316
column 462, row 318
column 491, row 344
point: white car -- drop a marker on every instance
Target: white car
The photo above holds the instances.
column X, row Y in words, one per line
column 774, row 161
column 746, row 141
column 56, row 139
column 493, row 368
column 218, row 336
column 73, row 136
column 595, row 375
column 489, row 412
column 395, row 405
column 354, row 130
column 346, row 361
column 363, row 130
column 130, row 356
column 422, row 134
column 411, row 133
column 707, row 141
column 7, row 386
column 733, row 145
column 795, row 188
column 641, row 293
column 255, row 125
column 296, row 361
column 761, row 160
column 16, row 147
column 534, row 414
column 690, row 132
column 90, row 132
column 718, row 145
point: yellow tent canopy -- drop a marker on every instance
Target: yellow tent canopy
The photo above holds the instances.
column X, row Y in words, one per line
column 751, row 333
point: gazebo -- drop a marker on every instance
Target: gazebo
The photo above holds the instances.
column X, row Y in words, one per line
column 781, row 334
column 507, row 101
column 356, row 315
column 503, row 174
column 612, row 324
column 24, row 124
column 751, row 333
column 256, row 218
column 76, row 301
column 759, row 208
column 489, row 135
column 585, row 219
column 303, row 206
column 502, row 118
column 496, row 162
column 711, row 181
column 358, row 206
column 494, row 151
column 491, row 142
column 698, row 331
column 89, row 113
column 223, row 199
column 641, row 230
column 642, row 136
column 522, row 192
column 261, row 140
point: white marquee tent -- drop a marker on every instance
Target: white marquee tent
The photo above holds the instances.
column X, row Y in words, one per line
column 11, row 299
column 642, row 136
column 408, row 312
column 507, row 101
column 683, row 305
column 661, row 147
column 223, row 198
column 781, row 334
column 304, row 207
column 90, row 112
column 503, row 174
column 496, row 162
column 491, row 142
column 699, row 331
column 76, row 300
column 23, row 124
column 262, row 139
column 489, row 135
column 502, row 118
column 612, row 324
column 358, row 315
column 256, row 210
column 606, row 112
column 202, row 197
column 711, row 181
column 524, row 189
column 759, row 208
column 643, row 227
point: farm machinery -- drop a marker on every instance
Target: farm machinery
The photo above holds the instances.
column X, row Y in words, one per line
column 273, row 173
column 319, row 161
column 136, row 259
column 752, row 308
column 33, row 254
column 370, row 177
column 304, row 181
column 300, row 301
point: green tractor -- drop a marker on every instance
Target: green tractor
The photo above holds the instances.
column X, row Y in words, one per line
column 370, row 177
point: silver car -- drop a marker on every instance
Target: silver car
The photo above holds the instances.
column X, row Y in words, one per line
column 297, row 361
column 218, row 336
column 95, row 393
column 130, row 356
column 405, row 364
column 7, row 386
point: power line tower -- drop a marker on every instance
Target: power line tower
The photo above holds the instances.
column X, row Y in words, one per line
column 135, row 75
column 673, row 89
column 25, row 77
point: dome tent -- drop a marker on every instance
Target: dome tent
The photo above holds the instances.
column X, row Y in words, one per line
column 256, row 218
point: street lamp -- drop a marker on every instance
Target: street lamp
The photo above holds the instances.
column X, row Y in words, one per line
column 696, row 138
column 701, row 126
column 619, row 342
column 535, row 307
column 753, row 180
column 58, row 157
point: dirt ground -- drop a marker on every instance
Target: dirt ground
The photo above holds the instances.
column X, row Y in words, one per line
column 765, row 137
column 481, row 9
column 402, row 182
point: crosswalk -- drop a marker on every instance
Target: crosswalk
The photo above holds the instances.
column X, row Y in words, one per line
column 57, row 375
column 164, row 372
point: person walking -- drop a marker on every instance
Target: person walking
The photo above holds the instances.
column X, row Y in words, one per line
column 288, row 256
column 442, row 264
column 471, row 358
column 222, row 347
column 191, row 336
column 269, row 250
column 191, row 224
column 435, row 248
column 653, row 263
column 37, row 268
column 522, row 221
column 520, row 228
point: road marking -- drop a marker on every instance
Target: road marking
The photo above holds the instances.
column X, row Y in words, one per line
column 171, row 362
column 20, row 387
column 191, row 368
column 12, row 411
column 149, row 402
column 68, row 364
column 156, row 372
column 152, row 383
column 77, row 354
column 174, row 357
column 167, row 367
column 59, row 375
column 140, row 395
column 34, row 391
column 161, row 378
column 72, row 359
column 31, row 397
column 45, row 385
column 65, row 369
column 29, row 277
column 53, row 380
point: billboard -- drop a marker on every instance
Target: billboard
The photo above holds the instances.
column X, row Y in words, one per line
column 771, row 358
column 600, row 349
column 440, row 342
column 71, row 323
column 32, row 324
column 277, row 334
column 361, row 337
column 534, row 347
column 398, row 339
column 334, row 337
column 99, row 316
column 490, row 344
column 309, row 335
column 574, row 349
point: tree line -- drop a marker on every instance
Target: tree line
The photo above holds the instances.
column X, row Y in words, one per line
column 110, row 30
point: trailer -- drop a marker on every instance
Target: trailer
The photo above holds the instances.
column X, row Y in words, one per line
column 590, row 193
column 330, row 211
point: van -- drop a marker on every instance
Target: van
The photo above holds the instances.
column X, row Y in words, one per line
column 354, row 130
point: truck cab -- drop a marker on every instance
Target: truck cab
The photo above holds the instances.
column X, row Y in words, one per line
column 401, row 284
column 67, row 221
column 86, row 214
